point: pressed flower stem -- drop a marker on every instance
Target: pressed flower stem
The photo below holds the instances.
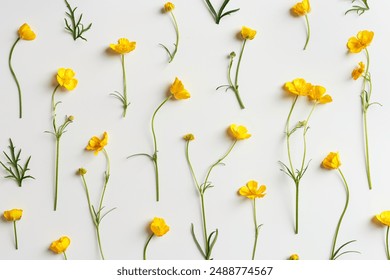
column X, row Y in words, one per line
column 107, row 177
column 387, row 243
column 146, row 245
column 58, row 137
column 154, row 157
column 15, row 236
column 332, row 257
column 305, row 127
column 296, row 207
column 308, row 31
column 235, row 86
column 65, row 257
column 14, row 76
column 177, row 37
column 256, row 229
column 125, row 103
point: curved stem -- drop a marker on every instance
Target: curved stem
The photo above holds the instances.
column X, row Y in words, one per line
column 146, row 245
column 236, row 77
column 15, row 236
column 125, row 103
column 14, row 76
column 99, row 242
column 155, row 147
column 56, row 171
column 190, row 165
column 256, row 229
column 304, row 136
column 65, row 257
column 177, row 37
column 387, row 243
column 308, row 32
column 342, row 214
column 288, row 136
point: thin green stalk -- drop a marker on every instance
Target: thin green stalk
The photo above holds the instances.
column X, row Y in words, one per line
column 296, row 206
column 190, row 165
column 15, row 236
column 88, row 199
column 14, row 76
column 146, row 245
column 177, row 37
column 332, row 257
column 205, row 234
column 154, row 157
column 125, row 103
column 99, row 242
column 235, row 87
column 308, row 32
column 65, row 257
column 288, row 135
column 107, row 176
column 56, row 171
column 387, row 243
column 256, row 229
column 305, row 127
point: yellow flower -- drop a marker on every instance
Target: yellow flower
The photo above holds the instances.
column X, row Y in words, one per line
column 317, row 94
column 123, row 46
column 248, row 33
column 294, row 257
column 332, row 161
column 178, row 91
column 26, row 33
column 301, row 8
column 65, row 78
column 82, row 171
column 238, row 132
column 251, row 190
column 13, row 215
column 298, row 87
column 360, row 42
column 189, row 137
column 384, row 218
column 96, row 144
column 168, row 7
column 159, row 227
column 59, row 246
column 358, row 71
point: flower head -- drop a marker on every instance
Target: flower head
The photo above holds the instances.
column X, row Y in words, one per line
column 332, row 161
column 26, row 33
column 81, row 171
column 189, row 137
column 59, row 246
column 301, row 8
column 358, row 71
column 251, row 190
column 159, row 227
column 294, row 257
column 298, row 87
column 360, row 42
column 13, row 215
column 178, row 91
column 168, row 7
column 248, row 33
column 65, row 78
column 317, row 94
column 123, row 46
column 384, row 218
column 96, row 144
column 238, row 132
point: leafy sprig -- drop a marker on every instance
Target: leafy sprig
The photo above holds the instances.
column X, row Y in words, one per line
column 218, row 16
column 15, row 170
column 359, row 9
column 75, row 27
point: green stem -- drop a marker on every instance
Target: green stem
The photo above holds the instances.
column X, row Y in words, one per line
column 125, row 103
column 342, row 214
column 14, row 76
column 15, row 236
column 177, row 37
column 367, row 154
column 288, row 136
column 65, row 257
column 256, row 229
column 190, row 165
column 304, row 137
column 154, row 157
column 107, row 177
column 205, row 235
column 235, row 87
column 146, row 245
column 296, row 206
column 308, row 32
column 387, row 243
column 56, row 171
column 219, row 15
column 89, row 200
column 99, row 242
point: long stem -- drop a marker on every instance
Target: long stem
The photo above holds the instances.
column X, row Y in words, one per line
column 235, row 87
column 305, row 127
column 14, row 76
column 308, row 32
column 154, row 157
column 15, row 236
column 190, row 165
column 296, row 206
column 342, row 214
column 146, row 245
column 56, row 171
column 99, row 242
column 387, row 243
column 288, row 136
column 256, row 229
column 125, row 103
column 107, row 177
column 89, row 200
column 177, row 37
column 205, row 234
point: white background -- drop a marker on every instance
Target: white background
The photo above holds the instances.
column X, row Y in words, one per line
column 274, row 57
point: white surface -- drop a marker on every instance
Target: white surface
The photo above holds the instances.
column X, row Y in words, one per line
column 274, row 57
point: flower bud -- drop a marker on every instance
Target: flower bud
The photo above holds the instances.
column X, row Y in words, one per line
column 189, row 137
column 71, row 118
column 81, row 171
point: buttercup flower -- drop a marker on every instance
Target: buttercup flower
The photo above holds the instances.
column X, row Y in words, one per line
column 59, row 246
column 65, row 78
column 301, row 8
column 294, row 257
column 318, row 95
column 178, row 91
column 251, row 190
column 159, row 227
column 384, row 218
column 332, row 161
column 96, row 144
column 248, row 33
column 123, row 46
column 189, row 137
column 13, row 215
column 238, row 132
column 298, row 87
column 168, row 7
column 358, row 71
column 360, row 42
column 25, row 32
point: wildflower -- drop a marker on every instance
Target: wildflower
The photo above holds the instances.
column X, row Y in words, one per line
column 59, row 246
column 189, row 137
column 294, row 257
column 96, row 144
column 318, row 95
column 298, row 87
column 248, row 33
column 384, row 219
column 332, row 161
column 158, row 228
column 238, row 132
column 360, row 42
column 13, row 215
column 358, row 71
column 168, row 8
column 178, row 91
column 65, row 78
column 302, row 9
column 124, row 46
column 26, row 33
